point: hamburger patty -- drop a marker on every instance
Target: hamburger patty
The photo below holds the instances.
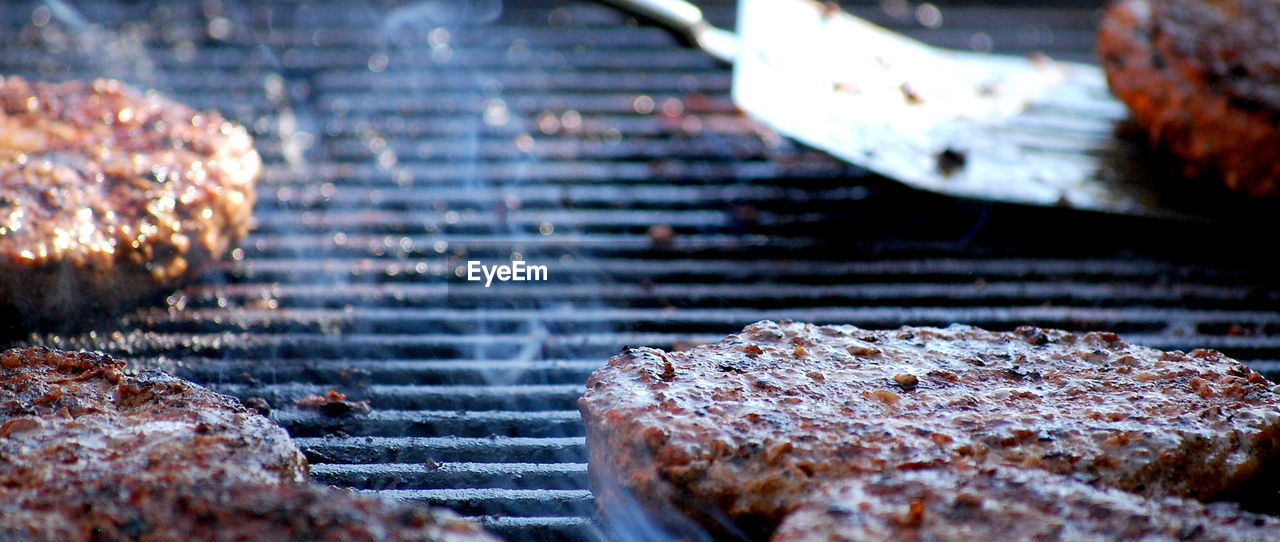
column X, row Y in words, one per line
column 73, row 418
column 109, row 196
column 735, row 434
column 88, row 452
column 115, row 511
column 1203, row 81
column 1008, row 504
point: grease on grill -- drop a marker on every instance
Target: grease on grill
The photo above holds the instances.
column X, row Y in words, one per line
column 333, row 403
column 662, row 236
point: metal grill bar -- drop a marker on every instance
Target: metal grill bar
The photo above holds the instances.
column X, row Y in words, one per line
column 1174, row 298
column 345, row 450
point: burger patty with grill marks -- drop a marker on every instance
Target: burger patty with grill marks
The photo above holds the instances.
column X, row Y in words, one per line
column 736, row 434
column 944, row 505
column 1202, row 79
column 110, row 196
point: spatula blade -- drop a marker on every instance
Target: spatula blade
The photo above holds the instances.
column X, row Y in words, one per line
column 991, row 127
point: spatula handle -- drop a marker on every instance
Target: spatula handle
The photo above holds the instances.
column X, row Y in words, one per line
column 687, row 19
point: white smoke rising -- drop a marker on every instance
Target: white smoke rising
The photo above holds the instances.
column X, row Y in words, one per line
column 119, row 53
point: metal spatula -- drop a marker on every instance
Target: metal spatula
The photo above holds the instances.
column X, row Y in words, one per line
column 1001, row 128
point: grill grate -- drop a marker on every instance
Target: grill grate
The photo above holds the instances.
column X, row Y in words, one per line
column 403, row 139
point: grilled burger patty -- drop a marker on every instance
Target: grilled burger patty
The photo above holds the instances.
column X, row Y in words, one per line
column 109, row 195
column 942, row 505
column 1201, row 77
column 74, row 418
column 735, row 434
column 156, row 512
column 88, row 452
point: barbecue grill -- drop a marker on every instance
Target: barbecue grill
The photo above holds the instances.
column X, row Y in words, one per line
column 404, row 139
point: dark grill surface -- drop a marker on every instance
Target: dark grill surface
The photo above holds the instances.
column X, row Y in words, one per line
column 403, row 139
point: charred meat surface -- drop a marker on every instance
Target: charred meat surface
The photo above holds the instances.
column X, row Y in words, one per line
column 68, row 419
column 157, row 512
column 944, row 505
column 1202, row 80
column 109, row 196
column 736, row 434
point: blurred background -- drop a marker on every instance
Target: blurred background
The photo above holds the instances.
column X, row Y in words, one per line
column 403, row 139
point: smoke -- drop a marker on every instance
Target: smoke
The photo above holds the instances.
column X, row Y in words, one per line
column 439, row 12
column 626, row 518
column 629, row 521
column 119, row 53
column 67, row 15
column 417, row 52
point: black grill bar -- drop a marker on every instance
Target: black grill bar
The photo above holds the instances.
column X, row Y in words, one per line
column 455, row 475
column 400, row 144
column 427, row 450
column 396, row 371
column 430, row 423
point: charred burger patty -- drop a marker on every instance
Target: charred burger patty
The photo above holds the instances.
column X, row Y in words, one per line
column 109, row 195
column 737, row 434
